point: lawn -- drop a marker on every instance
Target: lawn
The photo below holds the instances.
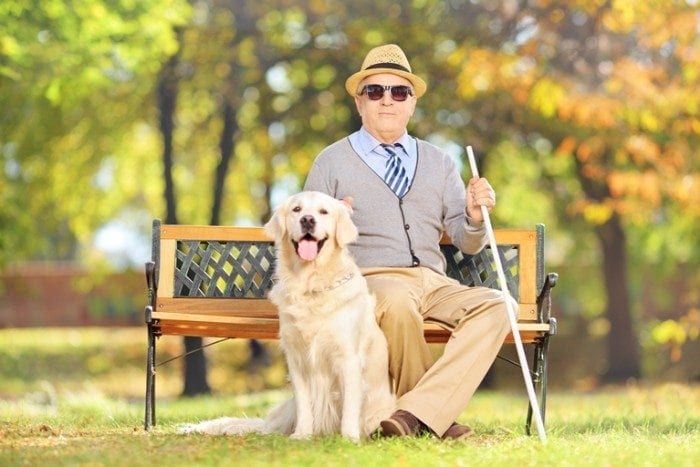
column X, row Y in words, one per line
column 67, row 398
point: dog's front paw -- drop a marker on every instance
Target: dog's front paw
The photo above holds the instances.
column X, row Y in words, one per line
column 300, row 435
column 352, row 435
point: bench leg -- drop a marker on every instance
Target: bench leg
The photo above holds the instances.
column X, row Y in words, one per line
column 150, row 415
column 539, row 380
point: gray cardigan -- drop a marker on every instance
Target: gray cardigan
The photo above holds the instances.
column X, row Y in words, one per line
column 394, row 232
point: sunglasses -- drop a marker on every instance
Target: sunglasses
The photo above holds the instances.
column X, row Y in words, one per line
column 376, row 92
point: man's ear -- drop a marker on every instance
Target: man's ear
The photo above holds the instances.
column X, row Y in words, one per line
column 358, row 106
column 345, row 230
column 276, row 227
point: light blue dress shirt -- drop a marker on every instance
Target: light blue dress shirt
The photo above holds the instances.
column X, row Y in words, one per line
column 372, row 153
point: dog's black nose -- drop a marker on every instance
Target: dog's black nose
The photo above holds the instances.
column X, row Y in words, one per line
column 308, row 223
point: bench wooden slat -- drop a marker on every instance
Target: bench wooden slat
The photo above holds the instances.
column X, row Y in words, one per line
column 256, row 234
column 218, row 306
column 166, row 283
column 212, row 232
column 258, row 307
column 190, row 324
column 208, row 325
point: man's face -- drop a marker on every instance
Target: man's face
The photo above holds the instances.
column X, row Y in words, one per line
column 385, row 119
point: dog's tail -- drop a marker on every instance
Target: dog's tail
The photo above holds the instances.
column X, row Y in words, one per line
column 225, row 426
column 281, row 419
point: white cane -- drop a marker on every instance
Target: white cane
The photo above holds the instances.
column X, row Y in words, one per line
column 509, row 308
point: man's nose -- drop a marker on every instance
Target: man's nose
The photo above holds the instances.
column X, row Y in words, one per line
column 386, row 97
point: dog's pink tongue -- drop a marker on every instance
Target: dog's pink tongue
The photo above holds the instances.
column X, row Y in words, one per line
column 308, row 249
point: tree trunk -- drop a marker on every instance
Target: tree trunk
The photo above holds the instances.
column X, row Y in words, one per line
column 226, row 153
column 195, row 365
column 623, row 345
column 195, row 368
column 167, row 100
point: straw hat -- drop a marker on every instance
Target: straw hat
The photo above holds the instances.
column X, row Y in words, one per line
column 385, row 59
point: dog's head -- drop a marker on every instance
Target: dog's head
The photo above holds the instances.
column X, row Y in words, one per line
column 309, row 221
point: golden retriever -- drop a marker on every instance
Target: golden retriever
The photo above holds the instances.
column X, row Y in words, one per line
column 336, row 354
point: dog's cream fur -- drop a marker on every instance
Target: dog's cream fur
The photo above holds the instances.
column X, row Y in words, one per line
column 336, row 354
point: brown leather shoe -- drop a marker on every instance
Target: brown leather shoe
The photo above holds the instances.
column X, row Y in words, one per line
column 402, row 423
column 457, row 431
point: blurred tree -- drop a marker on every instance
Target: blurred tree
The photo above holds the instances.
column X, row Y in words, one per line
column 72, row 80
column 584, row 114
column 613, row 86
column 194, row 368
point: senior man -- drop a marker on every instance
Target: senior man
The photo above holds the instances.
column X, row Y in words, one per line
column 405, row 193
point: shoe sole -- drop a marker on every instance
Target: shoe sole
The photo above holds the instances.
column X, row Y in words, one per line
column 464, row 435
column 393, row 427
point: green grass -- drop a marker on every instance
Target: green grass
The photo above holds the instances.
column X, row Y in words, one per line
column 81, row 413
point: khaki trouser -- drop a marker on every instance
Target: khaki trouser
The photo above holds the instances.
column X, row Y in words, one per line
column 437, row 391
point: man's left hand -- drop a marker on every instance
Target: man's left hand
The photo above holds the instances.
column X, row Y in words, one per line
column 479, row 193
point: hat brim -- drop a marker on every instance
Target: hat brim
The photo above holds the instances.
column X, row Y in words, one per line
column 353, row 81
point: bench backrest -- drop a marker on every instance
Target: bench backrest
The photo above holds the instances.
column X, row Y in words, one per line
column 232, row 267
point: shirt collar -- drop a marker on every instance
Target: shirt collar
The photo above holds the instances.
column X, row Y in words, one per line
column 369, row 143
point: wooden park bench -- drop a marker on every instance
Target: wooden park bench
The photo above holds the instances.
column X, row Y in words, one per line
column 212, row 281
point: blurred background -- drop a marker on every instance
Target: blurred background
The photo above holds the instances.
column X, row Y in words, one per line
column 585, row 116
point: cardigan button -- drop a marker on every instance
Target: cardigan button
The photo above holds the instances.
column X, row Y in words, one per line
column 406, row 226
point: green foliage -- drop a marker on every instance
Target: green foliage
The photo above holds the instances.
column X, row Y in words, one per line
column 88, row 70
column 73, row 78
column 581, row 110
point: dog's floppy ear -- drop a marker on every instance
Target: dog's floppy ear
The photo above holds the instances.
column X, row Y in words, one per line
column 276, row 227
column 345, row 230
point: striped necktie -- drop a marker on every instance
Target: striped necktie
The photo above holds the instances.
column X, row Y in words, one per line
column 395, row 175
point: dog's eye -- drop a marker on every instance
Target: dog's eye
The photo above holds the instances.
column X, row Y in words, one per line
column 323, row 211
column 296, row 208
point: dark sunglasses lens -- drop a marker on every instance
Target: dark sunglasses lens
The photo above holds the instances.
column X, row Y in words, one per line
column 399, row 93
column 374, row 92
